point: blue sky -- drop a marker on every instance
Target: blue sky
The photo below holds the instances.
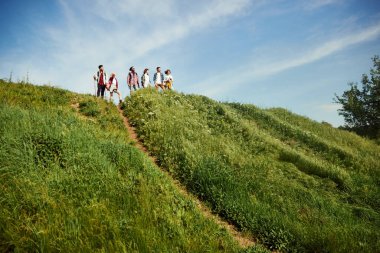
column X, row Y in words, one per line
column 292, row 54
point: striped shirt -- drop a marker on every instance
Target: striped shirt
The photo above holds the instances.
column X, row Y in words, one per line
column 133, row 79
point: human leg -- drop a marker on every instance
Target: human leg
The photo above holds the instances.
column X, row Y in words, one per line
column 98, row 90
column 102, row 90
column 119, row 94
column 169, row 85
column 111, row 95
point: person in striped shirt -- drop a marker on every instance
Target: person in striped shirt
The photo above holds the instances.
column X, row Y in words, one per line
column 133, row 79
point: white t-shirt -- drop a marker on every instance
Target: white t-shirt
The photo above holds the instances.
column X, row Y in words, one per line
column 146, row 78
column 168, row 78
column 158, row 78
column 113, row 86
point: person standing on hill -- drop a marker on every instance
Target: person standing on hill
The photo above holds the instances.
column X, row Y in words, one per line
column 113, row 86
column 145, row 79
column 101, row 79
column 158, row 79
column 133, row 79
column 168, row 81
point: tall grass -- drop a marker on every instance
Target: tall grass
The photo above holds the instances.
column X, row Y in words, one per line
column 71, row 181
column 295, row 189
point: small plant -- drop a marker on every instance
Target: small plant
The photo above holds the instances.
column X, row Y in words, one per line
column 48, row 150
column 89, row 108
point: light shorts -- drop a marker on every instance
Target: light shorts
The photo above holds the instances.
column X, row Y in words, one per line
column 113, row 88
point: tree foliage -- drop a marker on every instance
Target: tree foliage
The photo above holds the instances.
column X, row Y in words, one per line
column 361, row 105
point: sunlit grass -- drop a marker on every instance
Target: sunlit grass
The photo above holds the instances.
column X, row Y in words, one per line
column 295, row 184
column 70, row 181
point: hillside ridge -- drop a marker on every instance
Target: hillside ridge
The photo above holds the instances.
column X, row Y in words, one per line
column 295, row 184
column 243, row 240
column 72, row 180
column 86, row 176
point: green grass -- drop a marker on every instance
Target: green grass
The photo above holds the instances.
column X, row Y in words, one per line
column 71, row 181
column 297, row 185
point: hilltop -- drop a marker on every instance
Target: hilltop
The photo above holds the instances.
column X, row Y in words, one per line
column 295, row 184
column 71, row 178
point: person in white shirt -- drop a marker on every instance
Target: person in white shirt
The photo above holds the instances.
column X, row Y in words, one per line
column 168, row 80
column 145, row 79
column 158, row 79
column 113, row 86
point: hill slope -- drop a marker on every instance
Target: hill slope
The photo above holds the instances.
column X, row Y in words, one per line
column 72, row 181
column 295, row 184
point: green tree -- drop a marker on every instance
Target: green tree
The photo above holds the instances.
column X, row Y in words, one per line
column 361, row 105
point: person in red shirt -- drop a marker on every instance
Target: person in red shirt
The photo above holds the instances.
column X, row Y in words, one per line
column 101, row 79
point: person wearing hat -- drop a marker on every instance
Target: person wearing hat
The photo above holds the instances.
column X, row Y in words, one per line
column 101, row 79
column 113, row 86
column 133, row 79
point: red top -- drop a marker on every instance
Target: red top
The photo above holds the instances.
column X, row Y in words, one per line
column 101, row 78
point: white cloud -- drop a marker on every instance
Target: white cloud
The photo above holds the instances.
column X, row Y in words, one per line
column 298, row 57
column 115, row 33
column 320, row 52
column 315, row 4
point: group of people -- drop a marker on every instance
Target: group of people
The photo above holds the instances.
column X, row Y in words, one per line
column 133, row 81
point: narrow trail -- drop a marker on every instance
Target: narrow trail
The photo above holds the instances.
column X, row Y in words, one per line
column 243, row 240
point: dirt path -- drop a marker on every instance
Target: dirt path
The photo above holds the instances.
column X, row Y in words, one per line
column 243, row 240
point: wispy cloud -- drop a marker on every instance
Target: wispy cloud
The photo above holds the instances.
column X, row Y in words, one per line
column 320, row 52
column 138, row 28
column 315, row 4
column 192, row 23
column 264, row 68
column 113, row 32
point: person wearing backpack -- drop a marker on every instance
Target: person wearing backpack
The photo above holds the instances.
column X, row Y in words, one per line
column 113, row 86
column 145, row 79
column 133, row 79
column 158, row 79
column 101, row 79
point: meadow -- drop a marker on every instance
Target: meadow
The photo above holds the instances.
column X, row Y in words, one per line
column 295, row 184
column 71, row 180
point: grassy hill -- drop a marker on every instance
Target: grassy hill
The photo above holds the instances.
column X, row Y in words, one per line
column 72, row 181
column 295, row 184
